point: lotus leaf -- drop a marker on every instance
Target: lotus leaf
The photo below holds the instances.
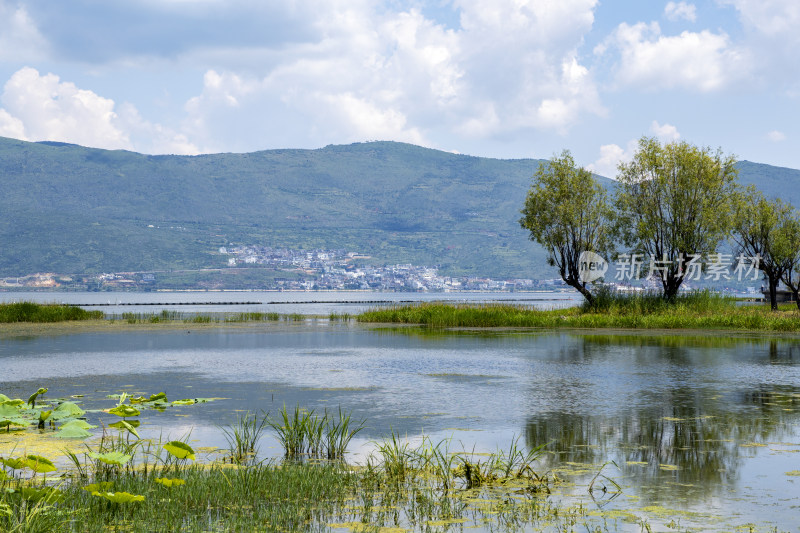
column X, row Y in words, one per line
column 111, row 458
column 102, row 486
column 179, row 449
column 124, row 424
column 160, row 397
column 32, row 399
column 124, row 411
column 44, row 415
column 4, row 398
column 184, row 402
column 83, row 424
column 48, row 494
column 75, row 429
column 138, row 399
column 14, row 463
column 67, row 410
column 36, row 463
column 13, row 403
column 119, row 497
column 167, row 482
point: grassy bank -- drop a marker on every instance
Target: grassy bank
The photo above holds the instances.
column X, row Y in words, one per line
column 126, row 483
column 702, row 311
column 33, row 312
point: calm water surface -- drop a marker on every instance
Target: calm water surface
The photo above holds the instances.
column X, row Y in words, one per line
column 703, row 425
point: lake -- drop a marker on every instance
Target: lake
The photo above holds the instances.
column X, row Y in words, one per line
column 702, row 429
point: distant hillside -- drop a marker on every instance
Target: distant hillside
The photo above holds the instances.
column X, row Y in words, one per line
column 71, row 209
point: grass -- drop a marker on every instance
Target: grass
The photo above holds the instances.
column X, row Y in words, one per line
column 699, row 310
column 125, row 483
column 34, row 312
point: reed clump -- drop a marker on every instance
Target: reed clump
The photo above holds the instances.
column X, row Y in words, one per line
column 34, row 312
column 703, row 310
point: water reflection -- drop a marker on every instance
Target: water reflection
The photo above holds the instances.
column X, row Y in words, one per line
column 691, row 426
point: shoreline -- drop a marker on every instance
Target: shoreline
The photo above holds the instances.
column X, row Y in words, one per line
column 31, row 329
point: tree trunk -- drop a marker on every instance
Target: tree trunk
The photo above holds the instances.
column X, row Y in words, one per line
column 773, row 293
column 581, row 288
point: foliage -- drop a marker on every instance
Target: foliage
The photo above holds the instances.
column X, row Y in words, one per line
column 674, row 202
column 769, row 230
column 33, row 312
column 566, row 212
column 612, row 310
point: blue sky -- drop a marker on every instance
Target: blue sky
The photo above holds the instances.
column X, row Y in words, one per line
column 499, row 78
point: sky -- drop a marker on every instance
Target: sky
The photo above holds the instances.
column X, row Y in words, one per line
column 497, row 78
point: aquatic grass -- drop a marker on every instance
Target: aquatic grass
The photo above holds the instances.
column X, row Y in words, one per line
column 253, row 316
column 243, row 437
column 703, row 310
column 303, row 433
column 35, row 312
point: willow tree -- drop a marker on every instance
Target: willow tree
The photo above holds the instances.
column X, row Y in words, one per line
column 767, row 230
column 567, row 212
column 673, row 205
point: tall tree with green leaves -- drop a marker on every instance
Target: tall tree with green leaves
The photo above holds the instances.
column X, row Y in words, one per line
column 567, row 212
column 766, row 229
column 673, row 204
column 791, row 278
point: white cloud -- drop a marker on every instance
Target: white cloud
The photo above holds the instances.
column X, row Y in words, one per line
column 776, row 136
column 702, row 61
column 58, row 111
column 611, row 156
column 11, row 126
column 775, row 18
column 20, row 39
column 512, row 65
column 680, row 10
column 41, row 107
column 665, row 133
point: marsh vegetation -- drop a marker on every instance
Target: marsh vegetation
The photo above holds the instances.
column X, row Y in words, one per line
column 699, row 310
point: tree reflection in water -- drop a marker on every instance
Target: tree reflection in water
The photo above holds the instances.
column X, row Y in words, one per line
column 683, row 438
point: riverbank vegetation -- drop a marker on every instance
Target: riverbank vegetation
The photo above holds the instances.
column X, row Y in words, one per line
column 123, row 482
column 34, row 312
column 609, row 310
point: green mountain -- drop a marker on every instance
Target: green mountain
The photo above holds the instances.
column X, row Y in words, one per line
column 71, row 209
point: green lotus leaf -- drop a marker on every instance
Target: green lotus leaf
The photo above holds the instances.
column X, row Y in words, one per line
column 160, row 397
column 124, row 424
column 3, row 398
column 138, row 399
column 111, row 458
column 167, row 482
column 7, row 410
column 124, row 411
column 47, row 494
column 67, row 410
column 44, row 415
column 184, row 402
column 179, row 449
column 15, row 463
column 32, row 399
column 119, row 497
column 36, row 463
column 83, row 424
column 13, row 403
column 74, row 430
column 102, row 486
column 39, row 464
column 5, row 422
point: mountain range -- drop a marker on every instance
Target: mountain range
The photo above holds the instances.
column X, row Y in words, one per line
column 71, row 209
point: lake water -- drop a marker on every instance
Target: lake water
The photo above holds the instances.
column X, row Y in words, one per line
column 304, row 303
column 706, row 427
